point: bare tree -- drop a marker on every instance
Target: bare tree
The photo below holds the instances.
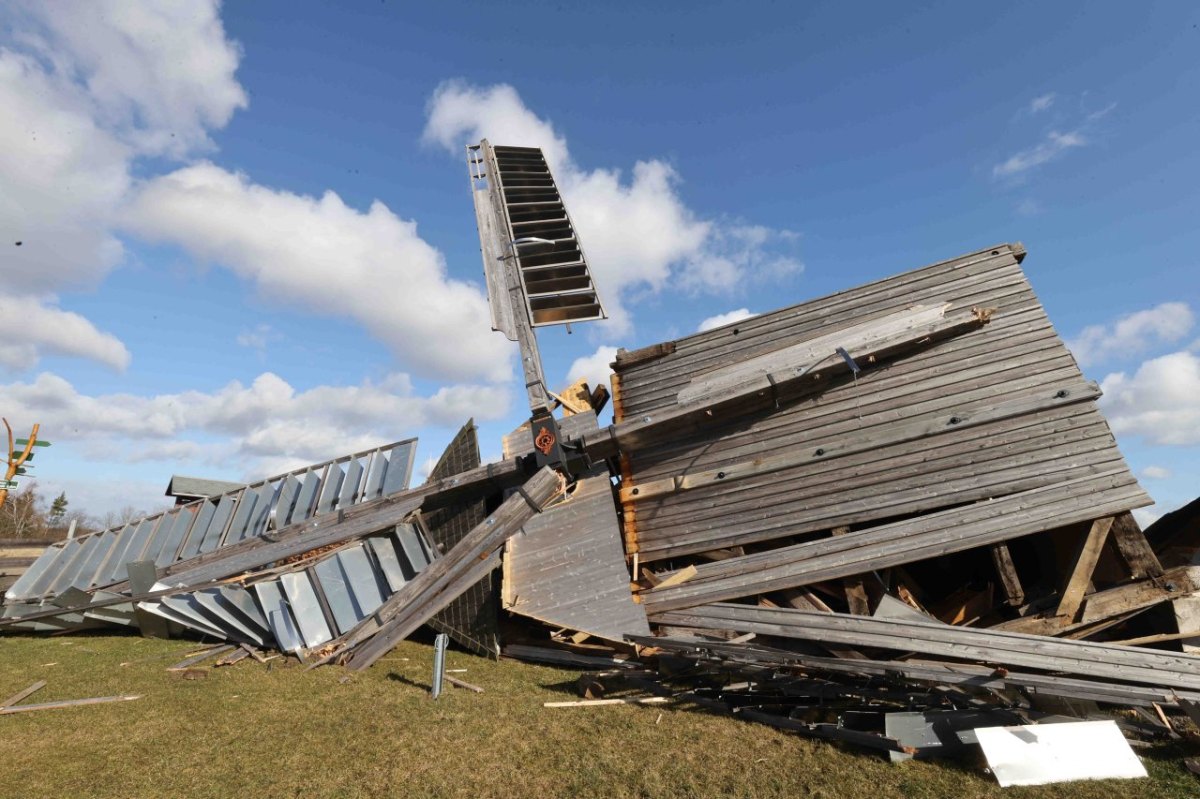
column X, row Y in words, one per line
column 22, row 515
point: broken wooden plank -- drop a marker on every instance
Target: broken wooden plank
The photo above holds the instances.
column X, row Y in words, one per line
column 1006, row 570
column 462, row 684
column 626, row 700
column 440, row 582
column 1083, row 563
column 67, row 703
column 1133, row 547
column 19, row 695
column 927, row 536
column 198, row 657
column 1082, row 658
column 677, row 578
column 235, row 656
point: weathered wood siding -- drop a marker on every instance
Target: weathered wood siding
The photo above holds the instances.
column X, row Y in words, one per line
column 1016, row 357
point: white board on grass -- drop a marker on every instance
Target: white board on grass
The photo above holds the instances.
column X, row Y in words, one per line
column 1041, row 754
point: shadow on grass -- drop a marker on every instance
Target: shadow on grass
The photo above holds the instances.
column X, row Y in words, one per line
column 394, row 677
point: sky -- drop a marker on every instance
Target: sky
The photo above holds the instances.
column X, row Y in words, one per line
column 236, row 239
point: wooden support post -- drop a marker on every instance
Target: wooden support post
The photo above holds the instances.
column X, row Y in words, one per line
column 856, row 592
column 1082, row 566
column 1134, row 548
column 1007, row 572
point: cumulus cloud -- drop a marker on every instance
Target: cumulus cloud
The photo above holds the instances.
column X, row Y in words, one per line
column 1156, row 472
column 595, row 368
column 723, row 319
column 1160, row 402
column 1133, row 333
column 161, row 74
column 87, row 88
column 637, row 232
column 29, row 328
column 319, row 254
column 266, row 426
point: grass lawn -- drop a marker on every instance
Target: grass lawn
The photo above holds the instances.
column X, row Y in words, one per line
column 253, row 731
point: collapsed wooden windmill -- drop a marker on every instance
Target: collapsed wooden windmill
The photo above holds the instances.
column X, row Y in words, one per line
column 926, row 439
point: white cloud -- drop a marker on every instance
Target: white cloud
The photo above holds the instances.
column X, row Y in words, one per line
column 595, row 368
column 266, row 427
column 1160, row 402
column 159, row 73
column 637, row 231
column 326, row 257
column 1156, row 472
column 1133, row 334
column 1041, row 103
column 722, row 319
column 1050, row 148
column 1146, row 516
column 87, row 87
column 28, row 328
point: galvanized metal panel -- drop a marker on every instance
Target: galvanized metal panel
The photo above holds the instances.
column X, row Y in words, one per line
column 365, row 583
column 305, row 498
column 285, row 502
column 204, row 517
column 306, row 609
column 260, row 517
column 350, row 493
column 220, row 520
column 279, row 615
column 174, row 539
column 374, row 481
column 399, row 469
column 100, row 559
column 335, row 586
column 384, row 549
column 331, row 488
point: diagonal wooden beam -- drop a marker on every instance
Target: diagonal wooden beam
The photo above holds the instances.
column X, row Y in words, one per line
column 1087, row 554
column 1134, row 548
column 1006, row 570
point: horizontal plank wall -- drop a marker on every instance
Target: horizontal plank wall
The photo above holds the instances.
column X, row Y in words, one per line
column 922, row 432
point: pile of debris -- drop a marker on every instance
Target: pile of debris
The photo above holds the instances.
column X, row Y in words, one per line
column 892, row 516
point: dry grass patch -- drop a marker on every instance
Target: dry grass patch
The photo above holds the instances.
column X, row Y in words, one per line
column 255, row 730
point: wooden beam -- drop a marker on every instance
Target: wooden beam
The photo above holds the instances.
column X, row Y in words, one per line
column 66, row 703
column 19, row 695
column 1112, row 602
column 757, row 391
column 1134, row 548
column 1083, row 564
column 950, row 421
column 1007, row 572
column 856, row 592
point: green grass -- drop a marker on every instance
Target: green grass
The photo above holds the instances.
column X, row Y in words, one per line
column 246, row 730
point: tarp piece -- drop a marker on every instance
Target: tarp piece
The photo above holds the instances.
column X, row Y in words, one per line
column 472, row 619
column 568, row 569
column 1042, row 754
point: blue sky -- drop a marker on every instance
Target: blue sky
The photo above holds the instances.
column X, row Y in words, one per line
column 248, row 240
